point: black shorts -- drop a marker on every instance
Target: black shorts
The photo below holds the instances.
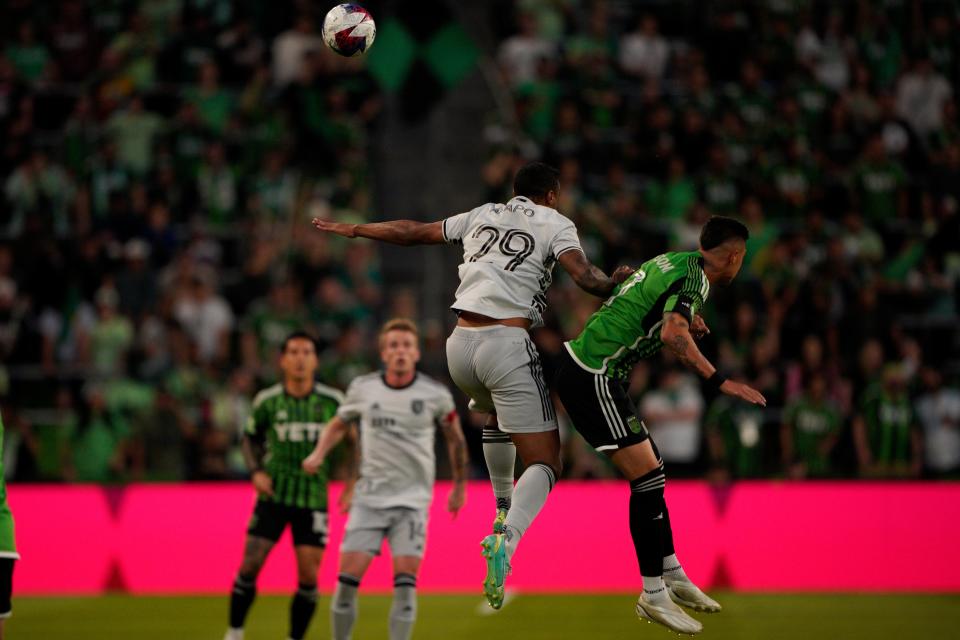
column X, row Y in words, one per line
column 598, row 406
column 6, row 587
column 308, row 526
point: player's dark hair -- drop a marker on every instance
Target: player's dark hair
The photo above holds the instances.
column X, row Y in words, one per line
column 535, row 180
column 298, row 335
column 720, row 229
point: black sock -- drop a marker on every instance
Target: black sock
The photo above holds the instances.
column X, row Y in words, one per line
column 646, row 521
column 241, row 598
column 668, row 549
column 302, row 606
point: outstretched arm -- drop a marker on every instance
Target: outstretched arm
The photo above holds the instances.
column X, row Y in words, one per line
column 588, row 276
column 675, row 333
column 402, row 232
column 333, row 433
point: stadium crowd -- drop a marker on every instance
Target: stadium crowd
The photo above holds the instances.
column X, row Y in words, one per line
column 161, row 158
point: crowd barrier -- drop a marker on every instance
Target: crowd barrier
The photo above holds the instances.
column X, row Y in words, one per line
column 751, row 536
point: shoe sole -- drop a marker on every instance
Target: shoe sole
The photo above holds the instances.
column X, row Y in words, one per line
column 693, row 605
column 492, row 592
column 643, row 615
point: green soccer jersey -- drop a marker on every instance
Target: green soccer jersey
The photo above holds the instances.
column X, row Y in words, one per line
column 291, row 427
column 8, row 544
column 626, row 328
column 889, row 420
column 812, row 423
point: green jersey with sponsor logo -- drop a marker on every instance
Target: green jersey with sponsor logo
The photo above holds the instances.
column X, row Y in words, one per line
column 813, row 422
column 290, row 427
column 626, row 328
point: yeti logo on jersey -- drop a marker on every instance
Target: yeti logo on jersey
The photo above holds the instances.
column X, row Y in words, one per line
column 417, row 406
column 281, row 415
column 298, row 431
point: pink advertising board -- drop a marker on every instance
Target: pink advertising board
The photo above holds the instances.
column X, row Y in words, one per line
column 753, row 536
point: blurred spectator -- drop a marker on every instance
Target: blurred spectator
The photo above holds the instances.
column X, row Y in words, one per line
column 921, row 95
column 111, row 334
column 28, row 56
column 214, row 104
column 885, row 431
column 520, row 54
column 206, row 317
column 99, row 443
column 133, row 132
column 672, row 413
column 217, row 186
column 645, row 52
column 735, row 439
column 938, row 410
column 290, row 49
column 811, row 427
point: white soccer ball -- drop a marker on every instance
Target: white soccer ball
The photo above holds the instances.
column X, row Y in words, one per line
column 349, row 29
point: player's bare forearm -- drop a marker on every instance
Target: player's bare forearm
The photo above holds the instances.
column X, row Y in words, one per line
column 402, row 232
column 586, row 275
column 254, row 451
column 675, row 334
column 332, row 434
column 456, row 448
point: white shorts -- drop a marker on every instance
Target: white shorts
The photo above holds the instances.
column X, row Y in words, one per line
column 499, row 368
column 405, row 529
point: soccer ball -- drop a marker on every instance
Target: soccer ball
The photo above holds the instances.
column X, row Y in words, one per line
column 349, row 29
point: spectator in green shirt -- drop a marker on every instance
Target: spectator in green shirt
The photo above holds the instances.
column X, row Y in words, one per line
column 734, row 439
column 98, row 443
column 214, row 104
column 885, row 432
column 28, row 56
column 879, row 184
column 133, row 132
column 808, row 435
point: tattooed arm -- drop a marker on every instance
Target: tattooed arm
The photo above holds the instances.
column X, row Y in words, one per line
column 675, row 334
column 254, row 450
column 457, row 451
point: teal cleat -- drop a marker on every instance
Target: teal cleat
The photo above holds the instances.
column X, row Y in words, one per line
column 499, row 521
column 495, row 552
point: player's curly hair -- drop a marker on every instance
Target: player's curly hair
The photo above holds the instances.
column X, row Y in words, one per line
column 535, row 180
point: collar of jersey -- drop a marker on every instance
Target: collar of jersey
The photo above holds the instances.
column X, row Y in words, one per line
column 383, row 376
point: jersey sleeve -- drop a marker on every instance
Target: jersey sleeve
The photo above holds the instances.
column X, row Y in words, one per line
column 445, row 404
column 257, row 423
column 352, row 406
column 566, row 240
column 688, row 299
column 455, row 227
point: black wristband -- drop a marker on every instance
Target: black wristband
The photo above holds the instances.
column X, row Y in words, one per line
column 715, row 381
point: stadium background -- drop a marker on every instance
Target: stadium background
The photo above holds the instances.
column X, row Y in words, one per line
column 161, row 161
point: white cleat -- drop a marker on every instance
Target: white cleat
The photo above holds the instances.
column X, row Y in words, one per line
column 668, row 614
column 685, row 593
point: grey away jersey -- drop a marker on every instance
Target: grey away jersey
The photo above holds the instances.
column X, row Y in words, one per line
column 508, row 255
column 397, row 430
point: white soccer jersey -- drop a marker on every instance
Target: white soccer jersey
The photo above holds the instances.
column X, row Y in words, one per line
column 508, row 255
column 397, row 431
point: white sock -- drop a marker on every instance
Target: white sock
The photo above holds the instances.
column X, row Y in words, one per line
column 529, row 496
column 234, row 634
column 653, row 588
column 672, row 571
column 500, row 455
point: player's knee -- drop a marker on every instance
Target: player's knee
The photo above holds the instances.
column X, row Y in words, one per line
column 554, row 466
column 307, row 575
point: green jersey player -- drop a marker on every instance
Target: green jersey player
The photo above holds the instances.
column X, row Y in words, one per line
column 285, row 425
column 8, row 547
column 656, row 306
